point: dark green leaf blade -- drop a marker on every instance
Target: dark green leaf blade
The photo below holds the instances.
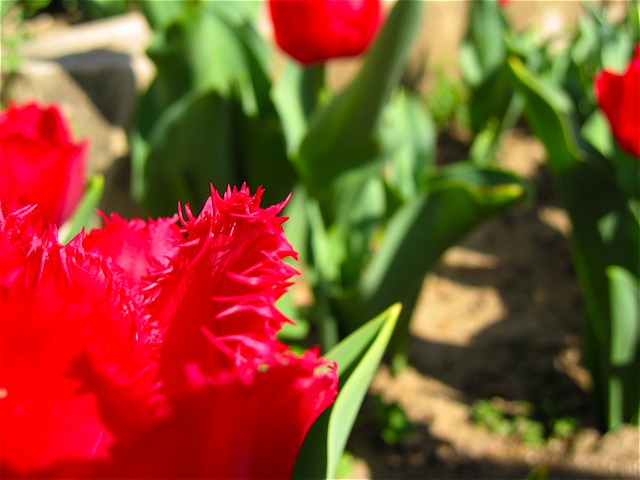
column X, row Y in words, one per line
column 358, row 357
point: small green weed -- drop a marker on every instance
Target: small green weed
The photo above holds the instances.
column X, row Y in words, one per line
column 395, row 425
column 518, row 419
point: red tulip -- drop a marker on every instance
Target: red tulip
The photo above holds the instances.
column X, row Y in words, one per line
column 40, row 162
column 318, row 30
column 618, row 97
column 148, row 349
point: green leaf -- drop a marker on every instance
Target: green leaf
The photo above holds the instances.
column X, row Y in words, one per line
column 32, row 7
column 484, row 50
column 287, row 100
column 358, row 357
column 160, row 14
column 589, row 189
column 210, row 94
column 236, row 12
column 341, row 135
column 624, row 392
column 85, row 211
column 457, row 199
column 260, row 153
column 349, row 351
column 597, row 132
column 99, row 9
column 182, row 160
column 209, row 45
column 355, row 208
column 299, row 330
column 327, row 245
column 296, row 227
column 408, row 133
column 490, row 99
column 188, row 54
column 295, row 94
column 483, row 56
column 549, row 112
column 201, row 139
column 625, row 315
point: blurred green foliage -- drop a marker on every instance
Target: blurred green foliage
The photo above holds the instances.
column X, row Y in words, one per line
column 371, row 211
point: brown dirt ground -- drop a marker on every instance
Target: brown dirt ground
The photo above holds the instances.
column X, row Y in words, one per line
column 499, row 318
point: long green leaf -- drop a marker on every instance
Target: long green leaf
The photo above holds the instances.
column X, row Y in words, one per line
column 549, row 112
column 161, row 14
column 340, row 136
column 484, row 42
column 624, row 391
column 457, row 199
column 358, row 357
column 182, row 160
column 289, row 92
column 205, row 48
column 408, row 133
column 210, row 49
column 483, row 58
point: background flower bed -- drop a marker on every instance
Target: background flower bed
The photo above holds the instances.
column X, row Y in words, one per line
column 502, row 318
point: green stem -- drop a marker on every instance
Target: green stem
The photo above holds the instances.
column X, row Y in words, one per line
column 312, row 86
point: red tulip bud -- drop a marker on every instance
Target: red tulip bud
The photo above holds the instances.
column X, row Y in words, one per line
column 618, row 97
column 318, row 30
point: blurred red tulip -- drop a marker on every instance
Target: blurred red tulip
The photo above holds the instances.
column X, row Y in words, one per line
column 618, row 97
column 40, row 162
column 149, row 350
column 318, row 30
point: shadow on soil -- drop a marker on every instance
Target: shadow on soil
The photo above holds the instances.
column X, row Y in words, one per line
column 516, row 358
column 427, row 456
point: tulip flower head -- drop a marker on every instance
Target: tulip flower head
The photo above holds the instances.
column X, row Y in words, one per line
column 40, row 162
column 147, row 349
column 314, row 31
column 618, row 97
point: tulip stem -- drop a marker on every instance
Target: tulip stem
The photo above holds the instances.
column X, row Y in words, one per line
column 313, row 85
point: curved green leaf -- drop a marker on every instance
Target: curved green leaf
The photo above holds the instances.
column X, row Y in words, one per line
column 549, row 112
column 456, row 200
column 358, row 357
column 624, row 391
